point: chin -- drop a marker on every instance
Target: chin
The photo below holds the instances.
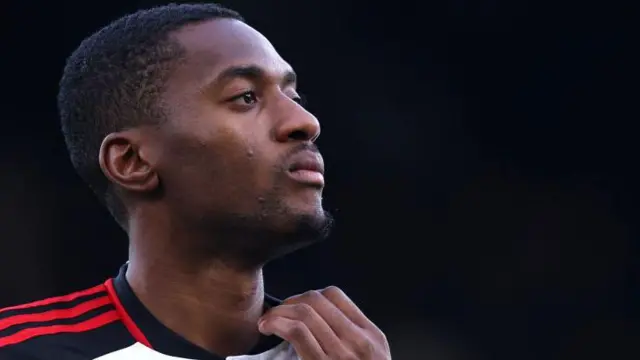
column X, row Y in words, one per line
column 280, row 226
column 276, row 235
column 306, row 204
column 305, row 219
column 302, row 216
column 301, row 229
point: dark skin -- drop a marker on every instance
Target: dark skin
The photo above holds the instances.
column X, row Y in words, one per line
column 212, row 196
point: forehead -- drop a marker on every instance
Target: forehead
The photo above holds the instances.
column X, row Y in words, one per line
column 216, row 45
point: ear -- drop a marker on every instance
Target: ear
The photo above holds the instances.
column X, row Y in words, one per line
column 124, row 162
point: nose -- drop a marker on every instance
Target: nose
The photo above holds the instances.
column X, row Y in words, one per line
column 296, row 124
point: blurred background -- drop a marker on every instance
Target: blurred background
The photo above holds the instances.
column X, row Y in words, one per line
column 480, row 159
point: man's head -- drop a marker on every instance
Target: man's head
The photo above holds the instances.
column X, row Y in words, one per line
column 187, row 112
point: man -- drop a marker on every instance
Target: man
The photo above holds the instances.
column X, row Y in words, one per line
column 186, row 122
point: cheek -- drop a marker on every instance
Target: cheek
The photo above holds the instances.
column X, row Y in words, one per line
column 246, row 157
column 222, row 170
column 214, row 159
column 249, row 167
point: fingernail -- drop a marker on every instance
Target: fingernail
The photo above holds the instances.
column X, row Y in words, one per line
column 261, row 325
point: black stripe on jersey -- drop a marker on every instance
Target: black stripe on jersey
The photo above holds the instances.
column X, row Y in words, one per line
column 68, row 321
column 59, row 305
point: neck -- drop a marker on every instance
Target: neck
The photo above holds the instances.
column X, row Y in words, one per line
column 213, row 305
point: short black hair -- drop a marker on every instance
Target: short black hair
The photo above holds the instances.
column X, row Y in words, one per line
column 114, row 79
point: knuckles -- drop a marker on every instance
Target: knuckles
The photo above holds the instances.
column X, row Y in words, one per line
column 332, row 291
column 348, row 356
column 315, row 297
column 312, row 297
column 303, row 311
column 297, row 330
column 364, row 347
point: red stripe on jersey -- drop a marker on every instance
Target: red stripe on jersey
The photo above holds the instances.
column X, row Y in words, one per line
column 55, row 314
column 93, row 323
column 58, row 299
column 131, row 326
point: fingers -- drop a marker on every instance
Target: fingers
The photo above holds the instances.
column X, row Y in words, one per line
column 341, row 301
column 336, row 319
column 312, row 319
column 296, row 333
column 326, row 325
column 365, row 338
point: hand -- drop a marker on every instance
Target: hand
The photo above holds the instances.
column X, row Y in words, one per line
column 326, row 325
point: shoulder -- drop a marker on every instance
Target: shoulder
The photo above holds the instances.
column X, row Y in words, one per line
column 59, row 326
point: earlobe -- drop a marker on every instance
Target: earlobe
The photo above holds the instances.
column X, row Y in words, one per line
column 123, row 163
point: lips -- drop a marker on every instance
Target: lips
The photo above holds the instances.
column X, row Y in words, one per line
column 307, row 168
column 310, row 163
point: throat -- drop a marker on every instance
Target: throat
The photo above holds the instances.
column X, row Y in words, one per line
column 216, row 308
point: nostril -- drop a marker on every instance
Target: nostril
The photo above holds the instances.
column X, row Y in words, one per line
column 298, row 135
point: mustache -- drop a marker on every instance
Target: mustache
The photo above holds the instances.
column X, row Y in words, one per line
column 302, row 147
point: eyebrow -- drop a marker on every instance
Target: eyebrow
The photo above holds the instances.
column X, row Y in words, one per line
column 253, row 73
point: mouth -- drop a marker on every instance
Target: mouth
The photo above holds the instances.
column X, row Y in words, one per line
column 307, row 168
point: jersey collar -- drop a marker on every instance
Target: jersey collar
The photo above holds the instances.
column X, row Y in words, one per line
column 149, row 331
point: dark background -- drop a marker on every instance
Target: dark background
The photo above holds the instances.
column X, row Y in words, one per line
column 481, row 164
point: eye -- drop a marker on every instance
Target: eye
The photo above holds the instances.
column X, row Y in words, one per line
column 246, row 98
column 300, row 99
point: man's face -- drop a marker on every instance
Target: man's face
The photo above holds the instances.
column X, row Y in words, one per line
column 237, row 150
